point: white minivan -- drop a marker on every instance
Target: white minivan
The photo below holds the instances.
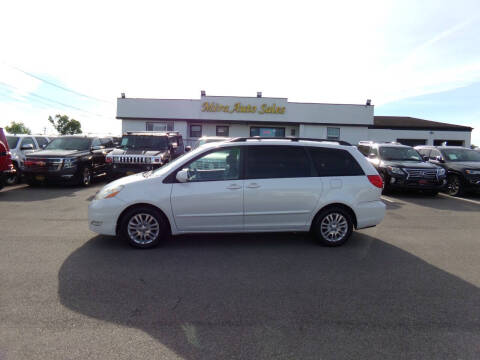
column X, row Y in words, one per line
column 245, row 185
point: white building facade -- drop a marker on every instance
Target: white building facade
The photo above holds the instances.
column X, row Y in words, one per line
column 274, row 117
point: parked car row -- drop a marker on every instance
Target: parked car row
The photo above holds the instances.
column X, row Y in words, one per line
column 452, row 169
column 6, row 167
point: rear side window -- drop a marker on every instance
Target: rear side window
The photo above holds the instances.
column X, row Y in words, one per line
column 364, row 149
column 334, row 162
column 270, row 162
column 41, row 141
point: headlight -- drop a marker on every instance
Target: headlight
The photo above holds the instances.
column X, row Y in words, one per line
column 472, row 172
column 108, row 192
column 395, row 170
column 69, row 163
column 441, row 171
column 148, row 160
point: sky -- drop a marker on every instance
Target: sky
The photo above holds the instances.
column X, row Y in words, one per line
column 412, row 58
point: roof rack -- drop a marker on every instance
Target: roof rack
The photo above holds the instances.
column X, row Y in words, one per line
column 152, row 133
column 295, row 139
column 378, row 142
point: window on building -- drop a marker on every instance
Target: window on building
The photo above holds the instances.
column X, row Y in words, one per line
column 267, row 162
column 334, row 162
column 156, row 126
column 222, row 131
column 412, row 142
column 267, row 131
column 292, row 132
column 333, row 133
column 195, row 131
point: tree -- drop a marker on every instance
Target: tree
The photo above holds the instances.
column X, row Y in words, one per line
column 17, row 128
column 65, row 126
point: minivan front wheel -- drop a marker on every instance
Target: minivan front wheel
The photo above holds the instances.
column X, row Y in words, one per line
column 143, row 227
column 333, row 226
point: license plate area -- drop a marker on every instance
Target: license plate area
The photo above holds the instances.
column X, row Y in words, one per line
column 39, row 177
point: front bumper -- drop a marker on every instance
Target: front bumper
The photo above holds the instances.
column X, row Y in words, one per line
column 103, row 215
column 63, row 175
column 119, row 170
column 399, row 182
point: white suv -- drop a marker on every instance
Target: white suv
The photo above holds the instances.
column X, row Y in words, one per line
column 245, row 185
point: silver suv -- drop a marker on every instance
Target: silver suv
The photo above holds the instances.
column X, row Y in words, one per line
column 20, row 146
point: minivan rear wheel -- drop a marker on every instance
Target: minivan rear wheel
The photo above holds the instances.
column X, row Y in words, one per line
column 143, row 227
column 333, row 226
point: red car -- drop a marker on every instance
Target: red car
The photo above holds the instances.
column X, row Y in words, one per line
column 6, row 167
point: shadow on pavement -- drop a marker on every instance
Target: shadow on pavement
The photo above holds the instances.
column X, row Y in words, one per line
column 438, row 202
column 276, row 296
column 40, row 193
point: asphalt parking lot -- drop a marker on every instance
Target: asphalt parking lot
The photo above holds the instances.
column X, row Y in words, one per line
column 407, row 289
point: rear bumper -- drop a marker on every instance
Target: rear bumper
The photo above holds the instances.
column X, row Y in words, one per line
column 369, row 213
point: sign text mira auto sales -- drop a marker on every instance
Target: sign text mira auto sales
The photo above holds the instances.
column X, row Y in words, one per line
column 242, row 108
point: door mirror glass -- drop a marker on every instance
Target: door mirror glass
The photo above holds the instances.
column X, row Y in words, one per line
column 188, row 148
column 182, row 176
column 27, row 147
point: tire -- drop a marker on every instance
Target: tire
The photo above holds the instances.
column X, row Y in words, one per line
column 31, row 181
column 454, row 185
column 85, row 177
column 333, row 226
column 13, row 179
column 386, row 188
column 153, row 231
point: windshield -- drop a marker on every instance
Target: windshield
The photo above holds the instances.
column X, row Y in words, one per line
column 461, row 155
column 12, row 141
column 144, row 142
column 399, row 154
column 69, row 143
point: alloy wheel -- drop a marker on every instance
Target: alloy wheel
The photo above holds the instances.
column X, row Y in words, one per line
column 334, row 227
column 143, row 228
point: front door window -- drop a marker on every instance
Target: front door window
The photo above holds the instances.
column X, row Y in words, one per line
column 216, row 166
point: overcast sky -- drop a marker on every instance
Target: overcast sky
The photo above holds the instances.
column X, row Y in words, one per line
column 414, row 58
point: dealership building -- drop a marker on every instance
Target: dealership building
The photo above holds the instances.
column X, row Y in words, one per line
column 277, row 117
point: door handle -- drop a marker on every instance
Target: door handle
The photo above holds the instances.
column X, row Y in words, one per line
column 234, row 187
column 253, row 186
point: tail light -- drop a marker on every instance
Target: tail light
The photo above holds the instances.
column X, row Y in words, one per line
column 376, row 180
column 28, row 163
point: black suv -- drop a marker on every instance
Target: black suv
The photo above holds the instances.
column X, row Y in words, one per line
column 462, row 166
column 144, row 151
column 401, row 166
column 68, row 159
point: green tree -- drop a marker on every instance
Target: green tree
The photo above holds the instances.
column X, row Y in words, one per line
column 17, row 128
column 65, row 126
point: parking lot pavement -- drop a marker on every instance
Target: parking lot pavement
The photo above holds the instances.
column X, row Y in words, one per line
column 407, row 289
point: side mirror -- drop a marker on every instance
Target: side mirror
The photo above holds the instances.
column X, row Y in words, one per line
column 174, row 145
column 98, row 147
column 188, row 148
column 372, row 156
column 44, row 146
column 182, row 176
column 439, row 159
column 27, row 147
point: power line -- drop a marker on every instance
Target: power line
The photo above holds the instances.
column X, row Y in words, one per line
column 58, row 86
column 52, row 101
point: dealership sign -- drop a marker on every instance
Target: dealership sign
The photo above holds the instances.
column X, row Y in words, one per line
column 243, row 108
